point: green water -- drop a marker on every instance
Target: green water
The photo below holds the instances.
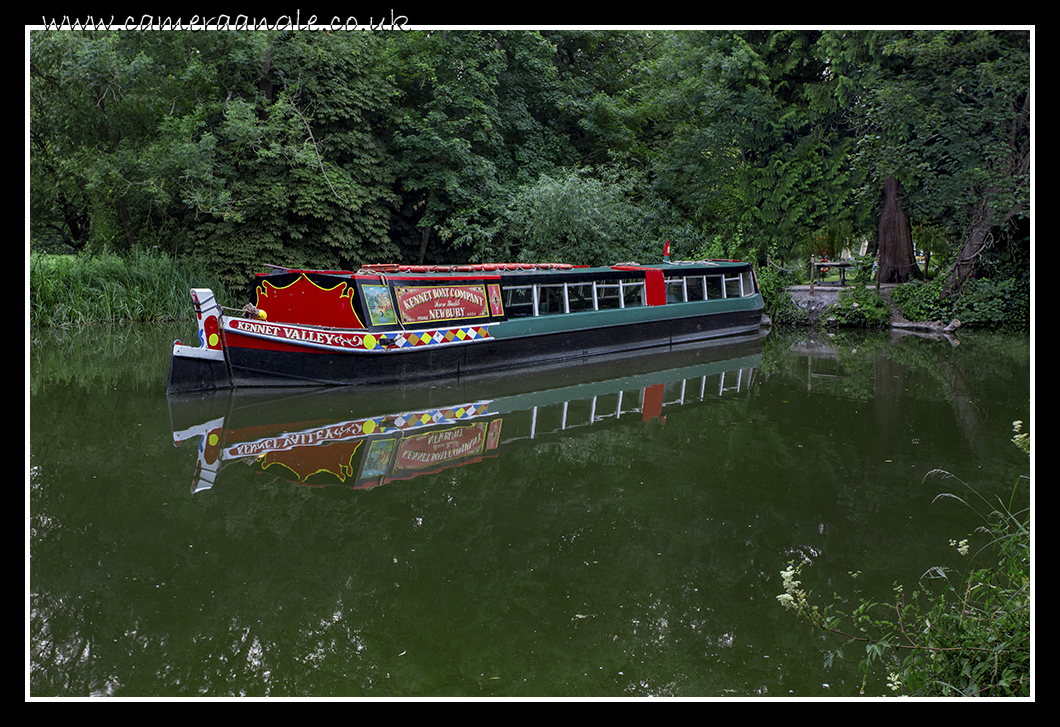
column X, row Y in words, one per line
column 598, row 548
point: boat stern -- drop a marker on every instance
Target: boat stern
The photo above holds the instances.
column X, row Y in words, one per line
column 202, row 367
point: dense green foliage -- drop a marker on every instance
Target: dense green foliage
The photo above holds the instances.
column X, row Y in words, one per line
column 1001, row 298
column 987, row 303
column 774, row 281
column 760, row 136
column 332, row 149
column 861, row 306
column 949, row 115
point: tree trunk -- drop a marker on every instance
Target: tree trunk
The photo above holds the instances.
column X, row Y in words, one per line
column 423, row 244
column 426, row 230
column 126, row 222
column 76, row 225
column 978, row 240
column 897, row 260
column 986, row 217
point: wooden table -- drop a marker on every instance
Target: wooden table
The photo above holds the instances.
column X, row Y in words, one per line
column 816, row 266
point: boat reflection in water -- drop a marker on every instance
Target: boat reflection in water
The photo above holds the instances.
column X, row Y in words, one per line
column 352, row 437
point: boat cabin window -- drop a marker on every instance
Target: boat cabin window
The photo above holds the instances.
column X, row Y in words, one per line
column 619, row 294
column 519, row 301
column 676, row 290
column 734, row 287
column 708, row 287
column 581, row 296
column 633, row 293
column 715, row 289
column 608, row 296
column 550, row 300
column 695, row 288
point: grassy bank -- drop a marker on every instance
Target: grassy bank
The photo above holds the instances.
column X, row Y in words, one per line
column 66, row 290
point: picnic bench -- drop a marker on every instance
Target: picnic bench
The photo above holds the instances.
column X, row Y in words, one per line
column 816, row 265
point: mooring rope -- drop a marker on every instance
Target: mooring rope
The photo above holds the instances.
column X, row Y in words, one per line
column 249, row 310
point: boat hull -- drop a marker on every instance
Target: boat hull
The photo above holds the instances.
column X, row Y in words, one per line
column 258, row 367
column 371, row 329
column 191, row 371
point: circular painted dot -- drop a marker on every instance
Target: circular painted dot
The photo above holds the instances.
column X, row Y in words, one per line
column 369, row 341
column 212, row 439
column 368, row 427
column 213, row 340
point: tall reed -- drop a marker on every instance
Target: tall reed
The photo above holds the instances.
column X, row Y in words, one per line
column 142, row 285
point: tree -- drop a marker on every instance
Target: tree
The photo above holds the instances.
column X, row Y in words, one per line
column 582, row 217
column 100, row 176
column 759, row 138
column 897, row 260
column 600, row 77
column 245, row 146
column 298, row 171
column 331, row 149
column 948, row 114
column 447, row 134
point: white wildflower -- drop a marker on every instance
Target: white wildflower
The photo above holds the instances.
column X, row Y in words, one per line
column 793, row 597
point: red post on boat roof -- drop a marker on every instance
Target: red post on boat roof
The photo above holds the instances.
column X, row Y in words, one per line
column 654, row 286
column 666, row 252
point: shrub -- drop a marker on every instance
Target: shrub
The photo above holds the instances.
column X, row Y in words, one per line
column 920, row 301
column 861, row 306
column 995, row 304
column 988, row 303
column 774, row 282
column 576, row 218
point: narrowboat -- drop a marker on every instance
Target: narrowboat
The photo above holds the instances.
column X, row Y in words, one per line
column 390, row 323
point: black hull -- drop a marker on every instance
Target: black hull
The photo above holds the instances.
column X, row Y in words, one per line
column 251, row 367
column 187, row 374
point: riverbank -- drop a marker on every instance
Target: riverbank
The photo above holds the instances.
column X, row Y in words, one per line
column 816, row 301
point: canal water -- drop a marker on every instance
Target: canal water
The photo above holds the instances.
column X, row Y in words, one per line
column 608, row 531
